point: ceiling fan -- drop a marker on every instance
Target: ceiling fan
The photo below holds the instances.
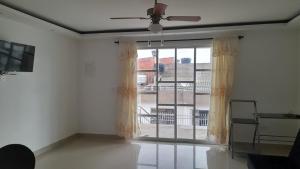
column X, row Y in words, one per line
column 156, row 14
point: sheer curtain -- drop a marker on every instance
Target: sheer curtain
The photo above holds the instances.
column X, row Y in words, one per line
column 225, row 51
column 127, row 91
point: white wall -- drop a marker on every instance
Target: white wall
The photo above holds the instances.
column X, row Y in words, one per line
column 98, row 86
column 266, row 71
column 39, row 108
column 99, row 67
column 298, row 76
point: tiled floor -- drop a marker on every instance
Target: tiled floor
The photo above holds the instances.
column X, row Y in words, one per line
column 98, row 153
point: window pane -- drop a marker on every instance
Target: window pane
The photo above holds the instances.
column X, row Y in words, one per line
column 202, row 102
column 203, row 81
column 166, row 121
column 146, row 59
column 184, row 122
column 185, row 93
column 146, row 118
column 201, row 116
column 201, row 130
column 166, row 93
column 146, row 82
column 166, row 64
column 185, row 64
column 203, row 58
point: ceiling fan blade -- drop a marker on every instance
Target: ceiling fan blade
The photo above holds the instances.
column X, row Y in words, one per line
column 159, row 9
column 129, row 18
column 184, row 18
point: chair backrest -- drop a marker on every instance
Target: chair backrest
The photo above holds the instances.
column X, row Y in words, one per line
column 294, row 156
column 16, row 156
column 242, row 108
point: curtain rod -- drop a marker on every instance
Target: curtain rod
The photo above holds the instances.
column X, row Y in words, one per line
column 176, row 40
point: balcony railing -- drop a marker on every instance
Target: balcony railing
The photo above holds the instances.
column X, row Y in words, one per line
column 167, row 116
column 203, row 87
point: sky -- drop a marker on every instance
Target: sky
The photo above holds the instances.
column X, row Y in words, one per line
column 203, row 55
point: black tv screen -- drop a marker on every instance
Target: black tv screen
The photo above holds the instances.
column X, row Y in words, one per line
column 15, row 57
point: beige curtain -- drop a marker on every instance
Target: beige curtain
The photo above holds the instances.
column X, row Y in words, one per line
column 126, row 119
column 225, row 51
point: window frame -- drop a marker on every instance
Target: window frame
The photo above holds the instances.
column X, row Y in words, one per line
column 156, row 46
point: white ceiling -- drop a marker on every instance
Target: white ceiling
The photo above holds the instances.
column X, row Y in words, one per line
column 89, row 15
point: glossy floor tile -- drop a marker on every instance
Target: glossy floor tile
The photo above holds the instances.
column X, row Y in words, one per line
column 97, row 153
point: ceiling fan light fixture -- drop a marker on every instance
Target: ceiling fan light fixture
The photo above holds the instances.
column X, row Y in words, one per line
column 155, row 28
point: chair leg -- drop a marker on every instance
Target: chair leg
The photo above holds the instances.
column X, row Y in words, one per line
column 258, row 135
column 229, row 139
column 254, row 135
column 232, row 141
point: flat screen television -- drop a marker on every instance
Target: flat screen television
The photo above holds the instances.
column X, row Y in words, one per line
column 16, row 57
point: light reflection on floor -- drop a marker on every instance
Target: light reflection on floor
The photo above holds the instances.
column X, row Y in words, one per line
column 185, row 156
column 98, row 153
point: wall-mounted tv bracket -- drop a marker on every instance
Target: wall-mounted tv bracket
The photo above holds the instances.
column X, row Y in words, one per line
column 4, row 73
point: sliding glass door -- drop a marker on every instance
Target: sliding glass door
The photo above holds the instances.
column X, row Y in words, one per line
column 173, row 92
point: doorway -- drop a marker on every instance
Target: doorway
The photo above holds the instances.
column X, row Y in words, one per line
column 173, row 93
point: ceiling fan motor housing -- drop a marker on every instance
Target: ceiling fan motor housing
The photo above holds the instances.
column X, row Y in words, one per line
column 150, row 11
column 155, row 18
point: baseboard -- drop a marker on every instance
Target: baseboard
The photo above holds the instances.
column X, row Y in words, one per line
column 55, row 144
column 102, row 136
column 71, row 138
